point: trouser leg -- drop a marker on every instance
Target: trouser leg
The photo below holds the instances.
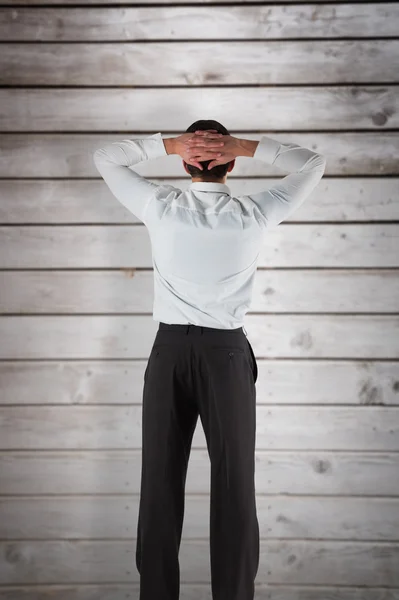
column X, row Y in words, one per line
column 169, row 418
column 227, row 404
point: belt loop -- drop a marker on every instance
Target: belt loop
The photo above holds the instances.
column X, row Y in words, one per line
column 245, row 331
column 187, row 329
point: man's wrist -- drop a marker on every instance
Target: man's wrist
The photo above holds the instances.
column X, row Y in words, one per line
column 169, row 144
column 246, row 147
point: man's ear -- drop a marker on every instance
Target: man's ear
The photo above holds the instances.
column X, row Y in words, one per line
column 231, row 165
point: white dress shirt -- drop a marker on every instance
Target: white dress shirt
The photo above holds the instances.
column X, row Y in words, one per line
column 205, row 242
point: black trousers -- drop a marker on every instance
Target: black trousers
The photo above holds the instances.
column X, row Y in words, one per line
column 191, row 371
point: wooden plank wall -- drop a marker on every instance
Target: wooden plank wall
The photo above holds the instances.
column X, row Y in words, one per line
column 76, row 321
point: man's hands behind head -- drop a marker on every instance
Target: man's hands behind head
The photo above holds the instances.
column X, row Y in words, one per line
column 205, row 145
column 201, row 147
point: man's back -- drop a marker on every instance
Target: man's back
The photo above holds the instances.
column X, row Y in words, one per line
column 205, row 245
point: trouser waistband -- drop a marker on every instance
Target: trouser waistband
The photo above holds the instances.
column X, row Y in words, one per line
column 189, row 328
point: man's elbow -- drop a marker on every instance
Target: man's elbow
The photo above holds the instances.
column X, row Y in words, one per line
column 100, row 158
column 316, row 164
column 98, row 154
column 320, row 163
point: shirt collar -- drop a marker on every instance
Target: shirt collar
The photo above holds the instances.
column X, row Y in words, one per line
column 210, row 186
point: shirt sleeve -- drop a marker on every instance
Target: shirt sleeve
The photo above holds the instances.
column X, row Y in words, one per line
column 306, row 170
column 114, row 162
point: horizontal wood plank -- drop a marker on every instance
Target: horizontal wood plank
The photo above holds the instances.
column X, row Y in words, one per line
column 79, row 201
column 70, row 155
column 326, row 473
column 101, row 109
column 278, row 428
column 282, row 517
column 210, row 63
column 279, row 382
column 123, row 246
column 272, row 336
column 276, row 472
column 284, row 592
column 140, row 2
column 195, row 592
column 176, row 23
column 131, row 290
column 293, row 562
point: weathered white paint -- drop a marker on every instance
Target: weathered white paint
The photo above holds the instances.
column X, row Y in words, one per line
column 280, row 381
column 288, row 245
column 328, row 107
column 289, row 561
column 131, row 290
column 63, row 201
column 278, row 428
column 70, row 155
column 76, row 290
column 277, row 472
column 280, row 517
column 193, row 591
column 133, row 61
column 221, row 22
column 124, row 336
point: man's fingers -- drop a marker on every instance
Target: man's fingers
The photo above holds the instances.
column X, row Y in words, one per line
column 204, row 135
column 204, row 154
column 204, row 141
column 205, row 158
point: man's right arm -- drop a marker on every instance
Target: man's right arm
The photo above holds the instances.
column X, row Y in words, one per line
column 281, row 200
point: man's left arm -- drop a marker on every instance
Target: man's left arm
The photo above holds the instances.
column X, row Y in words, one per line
column 114, row 160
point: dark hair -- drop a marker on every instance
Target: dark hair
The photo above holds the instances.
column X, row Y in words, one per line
column 217, row 172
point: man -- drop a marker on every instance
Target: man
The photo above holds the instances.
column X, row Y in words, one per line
column 205, row 246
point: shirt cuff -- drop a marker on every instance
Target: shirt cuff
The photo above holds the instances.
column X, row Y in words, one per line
column 267, row 149
column 153, row 146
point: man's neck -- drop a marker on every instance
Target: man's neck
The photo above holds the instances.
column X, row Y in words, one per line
column 208, row 181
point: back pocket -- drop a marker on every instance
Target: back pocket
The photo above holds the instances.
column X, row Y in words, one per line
column 227, row 349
